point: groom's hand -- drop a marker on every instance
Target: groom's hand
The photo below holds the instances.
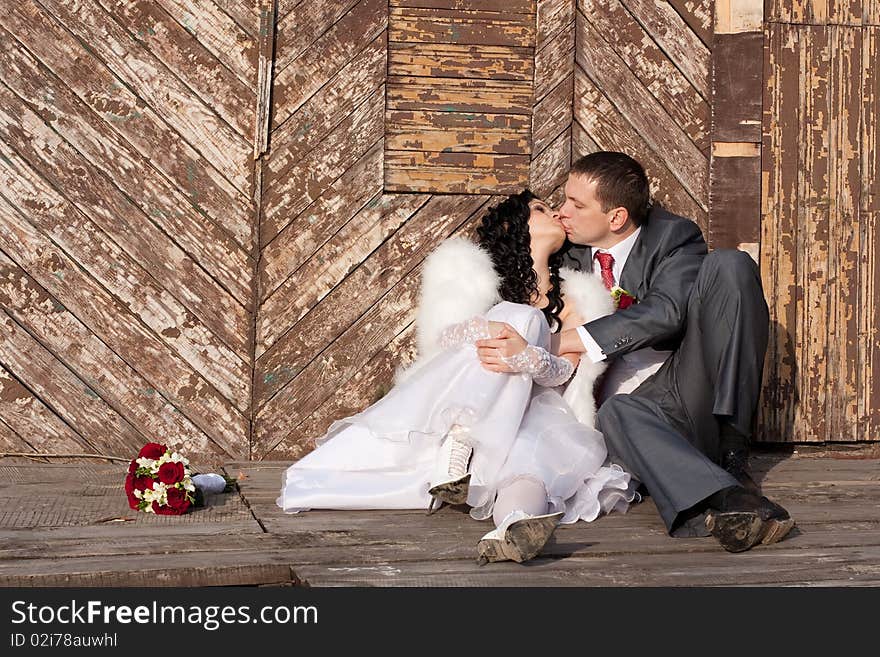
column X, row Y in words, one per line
column 506, row 343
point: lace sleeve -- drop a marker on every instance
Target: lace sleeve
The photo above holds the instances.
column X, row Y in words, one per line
column 469, row 331
column 545, row 368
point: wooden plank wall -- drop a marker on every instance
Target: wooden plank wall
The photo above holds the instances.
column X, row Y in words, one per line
column 737, row 91
column 126, row 224
column 819, row 237
column 340, row 255
column 211, row 227
column 460, row 90
column 642, row 86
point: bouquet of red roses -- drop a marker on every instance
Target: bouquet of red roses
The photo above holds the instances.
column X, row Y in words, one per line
column 159, row 481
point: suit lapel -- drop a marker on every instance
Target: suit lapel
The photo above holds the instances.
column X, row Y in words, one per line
column 632, row 278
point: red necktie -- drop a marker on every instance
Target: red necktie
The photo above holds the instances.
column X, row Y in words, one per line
column 606, row 261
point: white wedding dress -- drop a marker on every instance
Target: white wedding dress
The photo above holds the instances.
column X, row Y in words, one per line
column 384, row 456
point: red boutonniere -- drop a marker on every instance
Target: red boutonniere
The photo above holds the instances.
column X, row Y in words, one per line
column 622, row 298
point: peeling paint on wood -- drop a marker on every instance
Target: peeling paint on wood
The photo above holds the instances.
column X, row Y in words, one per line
column 92, row 361
column 132, row 118
column 619, row 41
column 206, row 242
column 307, row 73
column 226, row 150
column 670, row 141
column 377, row 295
column 608, row 129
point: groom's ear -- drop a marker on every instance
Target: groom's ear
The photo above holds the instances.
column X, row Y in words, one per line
column 619, row 218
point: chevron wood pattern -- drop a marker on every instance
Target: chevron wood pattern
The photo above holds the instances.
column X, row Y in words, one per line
column 213, row 213
column 641, row 85
column 127, row 224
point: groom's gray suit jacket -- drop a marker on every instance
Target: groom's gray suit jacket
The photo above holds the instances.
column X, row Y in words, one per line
column 709, row 310
column 660, row 272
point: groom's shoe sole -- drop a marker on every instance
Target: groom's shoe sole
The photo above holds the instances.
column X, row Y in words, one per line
column 738, row 531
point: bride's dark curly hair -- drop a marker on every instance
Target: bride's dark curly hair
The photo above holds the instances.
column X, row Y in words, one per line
column 504, row 233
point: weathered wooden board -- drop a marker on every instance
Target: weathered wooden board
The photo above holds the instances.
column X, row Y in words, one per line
column 319, row 222
column 554, row 61
column 669, row 141
column 83, row 541
column 94, row 363
column 292, row 191
column 824, row 12
column 352, row 244
column 552, row 17
column 245, row 13
column 227, row 151
column 67, row 395
column 114, row 323
column 552, row 115
column 670, row 30
column 366, row 386
column 127, row 114
column 626, row 60
column 306, row 128
column 811, row 340
column 609, row 129
column 28, row 425
column 452, row 132
column 459, row 173
column 738, row 61
column 869, row 240
column 461, row 26
column 779, row 231
column 206, row 242
column 298, row 33
column 507, row 6
column 845, row 105
column 735, row 196
column 459, row 95
column 307, row 73
column 113, row 267
column 232, row 44
column 698, row 15
column 181, row 51
column 368, row 382
column 453, row 60
column 550, row 168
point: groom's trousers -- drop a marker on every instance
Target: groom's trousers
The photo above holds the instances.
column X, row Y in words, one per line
column 666, row 432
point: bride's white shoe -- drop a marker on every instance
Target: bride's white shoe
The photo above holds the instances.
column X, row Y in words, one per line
column 451, row 476
column 519, row 537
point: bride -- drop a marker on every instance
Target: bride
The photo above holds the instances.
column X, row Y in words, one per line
column 518, row 447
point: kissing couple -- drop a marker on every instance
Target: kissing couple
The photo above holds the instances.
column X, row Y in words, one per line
column 567, row 362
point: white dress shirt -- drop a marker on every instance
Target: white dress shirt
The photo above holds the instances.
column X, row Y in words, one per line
column 629, row 370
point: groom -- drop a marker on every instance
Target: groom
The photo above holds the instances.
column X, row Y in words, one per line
column 691, row 347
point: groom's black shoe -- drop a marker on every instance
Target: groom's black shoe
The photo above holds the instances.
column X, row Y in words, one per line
column 743, row 519
column 736, row 462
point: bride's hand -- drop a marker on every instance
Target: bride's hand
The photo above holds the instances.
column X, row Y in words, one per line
column 506, row 343
column 495, row 328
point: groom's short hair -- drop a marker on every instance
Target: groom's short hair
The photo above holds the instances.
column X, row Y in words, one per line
column 620, row 182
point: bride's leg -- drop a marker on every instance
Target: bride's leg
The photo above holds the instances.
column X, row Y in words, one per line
column 523, row 525
column 526, row 495
column 451, row 480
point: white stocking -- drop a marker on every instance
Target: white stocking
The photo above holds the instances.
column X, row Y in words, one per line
column 525, row 495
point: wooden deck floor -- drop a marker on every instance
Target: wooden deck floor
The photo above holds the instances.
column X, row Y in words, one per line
column 69, row 525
